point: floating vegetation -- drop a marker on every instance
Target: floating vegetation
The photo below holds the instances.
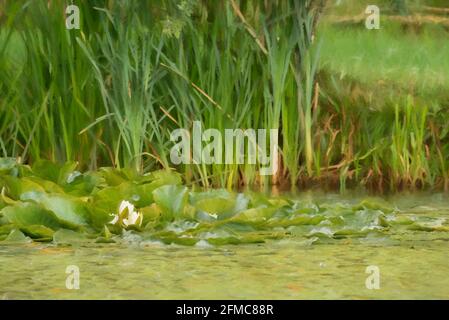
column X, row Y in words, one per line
column 49, row 202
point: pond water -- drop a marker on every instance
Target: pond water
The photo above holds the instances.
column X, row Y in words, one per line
column 412, row 265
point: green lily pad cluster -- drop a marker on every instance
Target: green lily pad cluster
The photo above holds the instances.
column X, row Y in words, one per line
column 48, row 202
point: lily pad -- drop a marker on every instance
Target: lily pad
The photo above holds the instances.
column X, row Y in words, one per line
column 70, row 210
column 17, row 187
column 65, row 236
column 39, row 232
column 171, row 199
column 26, row 214
column 16, row 236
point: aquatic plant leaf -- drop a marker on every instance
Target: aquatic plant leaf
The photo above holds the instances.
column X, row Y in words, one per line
column 347, row 231
column 10, row 167
column 220, row 203
column 70, row 210
column 306, row 210
column 16, row 236
column 189, row 212
column 182, row 227
column 109, row 198
column 428, row 224
column 40, row 232
column 106, row 233
column 170, row 237
column 195, row 197
column 297, row 220
column 112, row 176
column 54, row 172
column 163, row 177
column 105, row 240
column 49, row 186
column 224, row 241
column 83, row 184
column 5, row 200
column 67, row 173
column 45, row 210
column 7, row 228
column 241, row 202
column 142, row 195
column 254, row 215
column 181, row 241
column 65, row 236
column 278, row 202
column 46, row 169
column 171, row 199
column 257, row 199
column 235, row 240
column 374, row 204
column 16, row 187
column 217, row 206
column 321, row 232
column 7, row 164
column 401, row 220
column 233, row 226
column 366, row 218
column 24, row 214
column 106, row 202
column 150, row 213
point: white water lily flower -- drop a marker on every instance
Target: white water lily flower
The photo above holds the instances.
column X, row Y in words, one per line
column 127, row 216
column 115, row 220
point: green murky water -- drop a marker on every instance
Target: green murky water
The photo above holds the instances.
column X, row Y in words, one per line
column 413, row 264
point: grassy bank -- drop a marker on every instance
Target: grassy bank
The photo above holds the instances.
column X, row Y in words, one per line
column 384, row 94
column 354, row 107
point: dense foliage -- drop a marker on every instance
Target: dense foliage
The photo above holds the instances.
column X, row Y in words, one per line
column 110, row 93
column 49, row 202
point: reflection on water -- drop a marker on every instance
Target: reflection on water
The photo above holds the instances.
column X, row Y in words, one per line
column 413, row 265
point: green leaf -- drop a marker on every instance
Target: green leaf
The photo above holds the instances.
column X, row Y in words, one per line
column 107, row 201
column 112, row 176
column 64, row 236
column 150, row 213
column 7, row 164
column 70, row 210
column 25, row 214
column 16, row 187
column 38, row 232
column 219, row 202
column 162, row 177
column 298, row 220
column 375, row 204
column 46, row 170
column 171, row 199
column 218, row 206
column 16, row 236
column 82, row 184
column 7, row 228
column 254, row 215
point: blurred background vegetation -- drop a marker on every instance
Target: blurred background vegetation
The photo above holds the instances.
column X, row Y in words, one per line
column 354, row 106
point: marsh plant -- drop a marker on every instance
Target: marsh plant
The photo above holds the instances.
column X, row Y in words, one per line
column 43, row 204
column 235, row 150
column 111, row 92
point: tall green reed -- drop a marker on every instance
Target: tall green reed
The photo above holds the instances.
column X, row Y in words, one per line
column 111, row 93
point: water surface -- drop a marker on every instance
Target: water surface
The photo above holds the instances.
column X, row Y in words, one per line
column 413, row 265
